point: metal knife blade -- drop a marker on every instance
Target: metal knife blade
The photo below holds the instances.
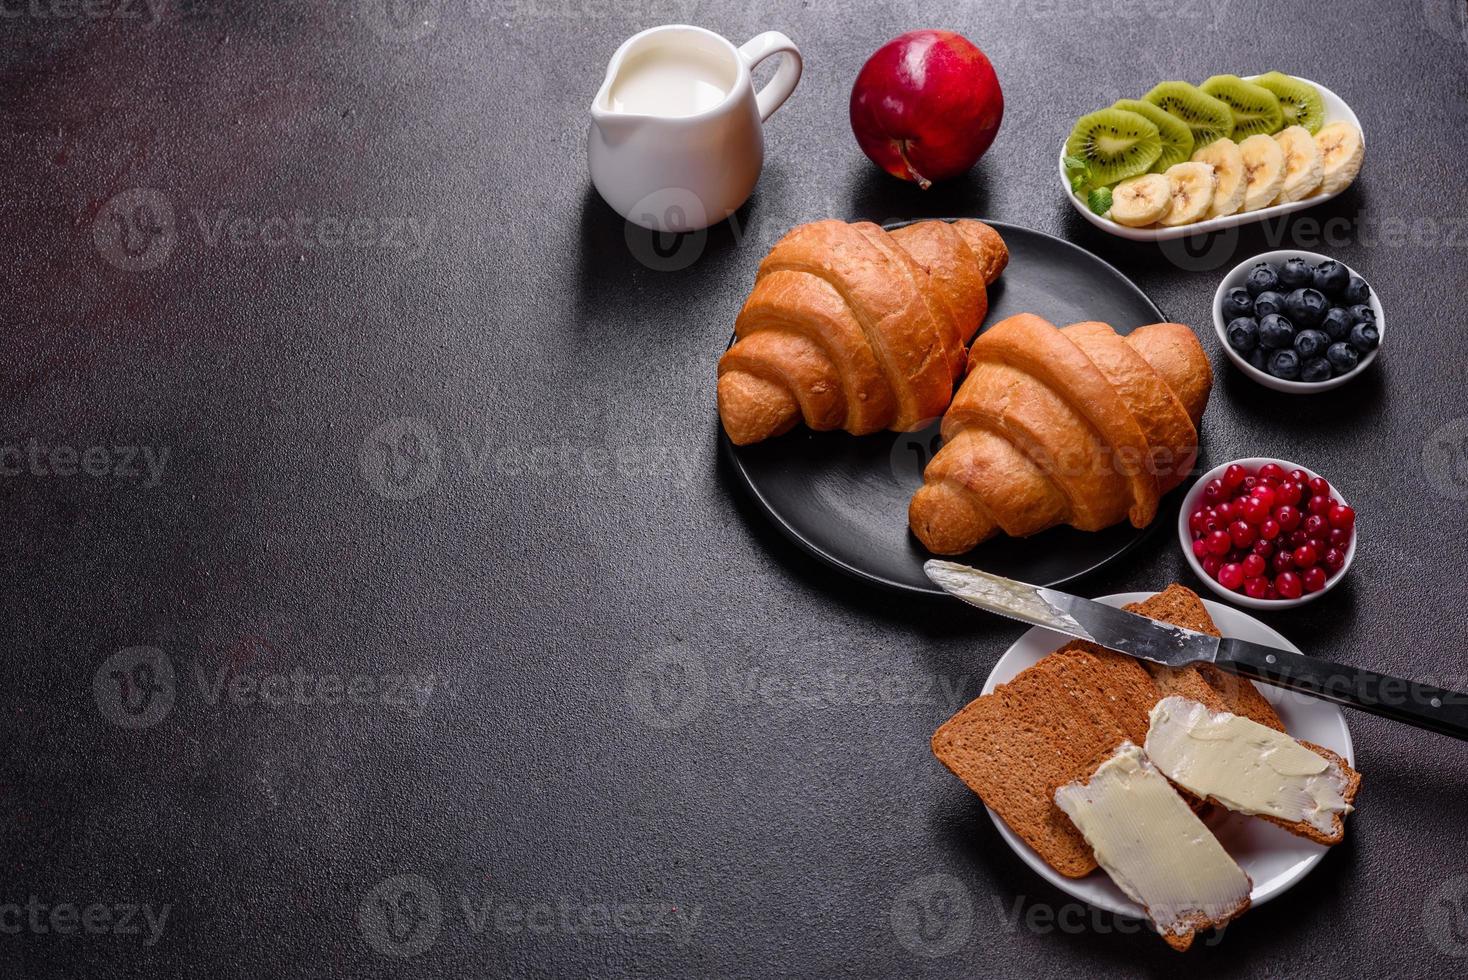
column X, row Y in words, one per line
column 1115, row 629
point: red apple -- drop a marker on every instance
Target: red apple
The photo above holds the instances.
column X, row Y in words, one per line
column 926, row 106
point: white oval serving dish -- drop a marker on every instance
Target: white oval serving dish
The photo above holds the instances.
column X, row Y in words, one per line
column 1336, row 110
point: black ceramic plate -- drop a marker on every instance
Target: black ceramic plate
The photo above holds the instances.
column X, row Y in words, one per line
column 844, row 499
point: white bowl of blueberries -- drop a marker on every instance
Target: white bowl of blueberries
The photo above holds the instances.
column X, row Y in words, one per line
column 1297, row 321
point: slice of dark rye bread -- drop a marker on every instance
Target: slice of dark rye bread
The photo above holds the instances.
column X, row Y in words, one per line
column 1215, row 689
column 1056, row 721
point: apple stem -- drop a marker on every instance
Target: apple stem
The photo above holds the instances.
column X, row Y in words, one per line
column 922, row 181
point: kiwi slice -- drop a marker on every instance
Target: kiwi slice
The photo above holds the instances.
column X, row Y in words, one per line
column 1299, row 101
column 1177, row 138
column 1115, row 145
column 1209, row 119
column 1255, row 109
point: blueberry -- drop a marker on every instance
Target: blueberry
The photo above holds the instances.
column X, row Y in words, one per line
column 1268, row 302
column 1331, row 277
column 1356, row 291
column 1236, row 303
column 1337, row 323
column 1365, row 337
column 1262, row 278
column 1306, row 307
column 1258, row 358
column 1284, row 364
column 1315, row 369
column 1243, row 334
column 1311, row 343
column 1276, row 332
column 1361, row 313
column 1295, row 273
column 1343, row 357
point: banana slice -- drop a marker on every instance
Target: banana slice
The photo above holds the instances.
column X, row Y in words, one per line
column 1263, row 170
column 1302, row 167
column 1192, row 192
column 1228, row 166
column 1140, row 201
column 1341, row 151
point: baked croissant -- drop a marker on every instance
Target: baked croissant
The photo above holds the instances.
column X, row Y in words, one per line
column 857, row 328
column 1078, row 426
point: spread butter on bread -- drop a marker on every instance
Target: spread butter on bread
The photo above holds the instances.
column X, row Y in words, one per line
column 1155, row 848
column 1246, row 767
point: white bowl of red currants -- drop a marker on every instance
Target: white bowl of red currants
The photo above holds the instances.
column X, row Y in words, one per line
column 1298, row 322
column 1267, row 533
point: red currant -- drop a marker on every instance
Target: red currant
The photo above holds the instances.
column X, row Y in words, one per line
column 1289, row 518
column 1288, row 585
column 1270, row 529
column 1306, row 556
column 1271, row 473
column 1314, row 579
column 1254, row 566
column 1231, row 576
column 1319, row 504
column 1256, row 587
column 1341, row 516
column 1233, row 475
column 1254, row 509
column 1242, row 533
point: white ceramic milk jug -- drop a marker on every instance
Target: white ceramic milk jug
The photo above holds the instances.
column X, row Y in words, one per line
column 676, row 142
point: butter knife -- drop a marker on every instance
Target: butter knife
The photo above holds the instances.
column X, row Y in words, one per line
column 1433, row 708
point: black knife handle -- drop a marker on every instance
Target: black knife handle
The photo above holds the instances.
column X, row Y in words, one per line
column 1422, row 705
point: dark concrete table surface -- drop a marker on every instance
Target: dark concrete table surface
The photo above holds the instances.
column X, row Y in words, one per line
column 376, row 602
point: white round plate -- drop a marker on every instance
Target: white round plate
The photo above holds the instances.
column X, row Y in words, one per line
column 1273, row 858
column 1336, row 110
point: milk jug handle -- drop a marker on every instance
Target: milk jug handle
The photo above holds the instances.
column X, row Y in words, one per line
column 778, row 89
